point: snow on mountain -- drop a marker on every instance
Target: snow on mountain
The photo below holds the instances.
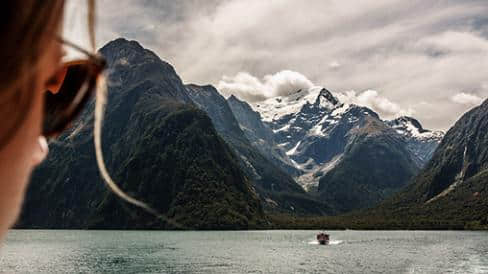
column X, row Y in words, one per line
column 313, row 128
column 421, row 142
column 410, row 127
column 281, row 106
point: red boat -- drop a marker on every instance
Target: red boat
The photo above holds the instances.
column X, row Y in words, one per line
column 323, row 238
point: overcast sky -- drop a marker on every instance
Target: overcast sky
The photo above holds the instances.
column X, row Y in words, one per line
column 428, row 59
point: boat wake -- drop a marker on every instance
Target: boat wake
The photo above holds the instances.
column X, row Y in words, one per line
column 331, row 242
column 335, row 242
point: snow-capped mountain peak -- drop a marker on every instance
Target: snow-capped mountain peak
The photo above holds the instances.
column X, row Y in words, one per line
column 325, row 99
column 410, row 127
column 313, row 129
column 278, row 107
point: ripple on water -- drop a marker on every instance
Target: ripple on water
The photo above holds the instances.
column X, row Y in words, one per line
column 245, row 252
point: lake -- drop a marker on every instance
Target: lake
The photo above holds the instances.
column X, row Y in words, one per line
column 277, row 251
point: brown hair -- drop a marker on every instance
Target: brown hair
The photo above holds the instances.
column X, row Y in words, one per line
column 26, row 26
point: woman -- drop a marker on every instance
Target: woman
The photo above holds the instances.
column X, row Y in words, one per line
column 39, row 93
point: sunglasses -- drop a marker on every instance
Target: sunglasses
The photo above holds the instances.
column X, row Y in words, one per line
column 69, row 90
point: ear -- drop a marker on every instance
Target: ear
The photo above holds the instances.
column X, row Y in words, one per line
column 55, row 82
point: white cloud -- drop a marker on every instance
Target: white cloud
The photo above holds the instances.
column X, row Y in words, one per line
column 372, row 99
column 334, row 65
column 467, row 99
column 454, row 42
column 412, row 51
column 252, row 89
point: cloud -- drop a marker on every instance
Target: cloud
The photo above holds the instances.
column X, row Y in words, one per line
column 412, row 51
column 372, row 99
column 252, row 89
column 334, row 65
column 467, row 99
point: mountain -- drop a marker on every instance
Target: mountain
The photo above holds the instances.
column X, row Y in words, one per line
column 277, row 189
column 339, row 149
column 375, row 164
column 420, row 142
column 160, row 148
column 260, row 135
column 293, row 119
column 453, row 187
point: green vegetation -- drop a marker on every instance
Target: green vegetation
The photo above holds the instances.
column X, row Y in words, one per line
column 193, row 179
column 371, row 223
column 159, row 148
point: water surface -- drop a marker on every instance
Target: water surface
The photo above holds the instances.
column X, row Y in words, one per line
column 279, row 251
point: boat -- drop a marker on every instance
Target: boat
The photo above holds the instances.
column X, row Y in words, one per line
column 323, row 238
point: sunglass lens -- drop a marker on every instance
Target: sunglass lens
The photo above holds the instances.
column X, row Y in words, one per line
column 64, row 102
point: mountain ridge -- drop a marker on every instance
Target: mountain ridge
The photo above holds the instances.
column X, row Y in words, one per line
column 272, row 182
column 160, row 148
column 313, row 128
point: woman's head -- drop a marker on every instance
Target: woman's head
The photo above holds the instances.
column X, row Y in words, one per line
column 28, row 29
column 31, row 56
column 39, row 95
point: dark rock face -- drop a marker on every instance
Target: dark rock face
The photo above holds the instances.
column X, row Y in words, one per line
column 132, row 65
column 160, row 149
column 209, row 100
